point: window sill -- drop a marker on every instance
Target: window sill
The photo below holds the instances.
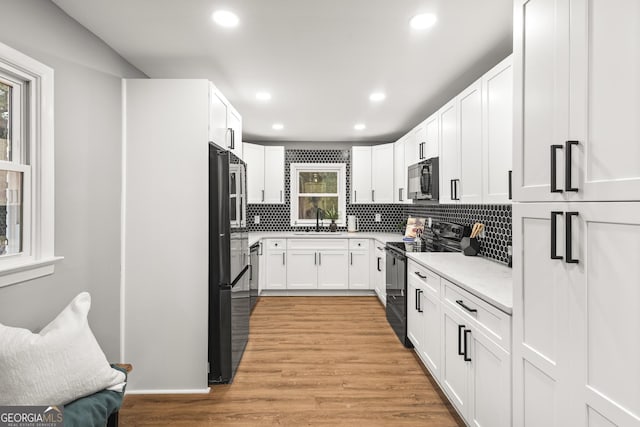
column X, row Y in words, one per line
column 27, row 271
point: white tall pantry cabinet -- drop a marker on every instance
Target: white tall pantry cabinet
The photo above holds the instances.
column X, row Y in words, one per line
column 576, row 270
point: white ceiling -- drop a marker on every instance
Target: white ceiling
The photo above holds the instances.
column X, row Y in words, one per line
column 320, row 59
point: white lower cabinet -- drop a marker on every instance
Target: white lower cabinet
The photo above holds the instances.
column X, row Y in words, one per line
column 379, row 271
column 464, row 343
column 302, row 271
column 276, row 264
column 359, row 267
column 333, row 270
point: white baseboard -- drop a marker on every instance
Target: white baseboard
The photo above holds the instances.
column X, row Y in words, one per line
column 177, row 391
column 317, row 293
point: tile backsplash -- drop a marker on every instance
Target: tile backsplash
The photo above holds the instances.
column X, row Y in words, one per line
column 497, row 218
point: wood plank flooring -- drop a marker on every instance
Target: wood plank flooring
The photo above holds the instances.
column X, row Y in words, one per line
column 325, row 361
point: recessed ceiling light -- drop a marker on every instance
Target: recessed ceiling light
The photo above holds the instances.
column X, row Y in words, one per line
column 277, row 126
column 423, row 21
column 225, row 18
column 377, row 96
column 360, row 126
column 263, row 96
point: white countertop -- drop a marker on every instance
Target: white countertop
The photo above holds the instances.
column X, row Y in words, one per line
column 255, row 236
column 486, row 279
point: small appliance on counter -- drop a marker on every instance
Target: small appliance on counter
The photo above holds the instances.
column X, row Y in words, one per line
column 353, row 224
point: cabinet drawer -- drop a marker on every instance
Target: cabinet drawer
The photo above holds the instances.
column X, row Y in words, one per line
column 425, row 276
column 317, row 244
column 356, row 244
column 488, row 319
column 276, row 244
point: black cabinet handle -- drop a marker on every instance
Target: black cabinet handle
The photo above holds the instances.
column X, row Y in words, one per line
column 250, row 272
column 415, row 303
column 373, row 195
column 233, row 138
column 379, row 259
column 262, row 195
column 554, row 252
column 319, row 258
column 418, row 299
column 568, row 231
column 567, row 166
column 451, row 185
column 510, row 185
column 455, row 186
column 283, row 255
column 420, row 275
column 554, row 178
column 315, row 258
column 466, row 307
column 351, row 258
column 466, row 345
column 460, row 329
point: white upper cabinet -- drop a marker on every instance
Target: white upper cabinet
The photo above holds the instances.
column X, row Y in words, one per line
column 399, row 172
column 450, row 153
column 497, row 95
column 274, row 174
column 254, row 157
column 469, row 187
column 265, row 173
column 411, row 149
column 432, row 137
column 361, row 175
column 225, row 123
column 382, row 173
column 577, row 99
column 372, row 174
column 420, row 139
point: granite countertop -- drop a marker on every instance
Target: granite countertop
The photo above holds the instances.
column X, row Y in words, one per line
column 255, row 236
column 486, row 279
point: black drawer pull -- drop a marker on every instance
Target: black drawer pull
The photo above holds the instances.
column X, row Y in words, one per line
column 460, row 329
column 420, row 275
column 554, row 151
column 469, row 309
column 418, row 299
column 466, row 345
column 567, row 166
column 568, row 231
column 554, row 250
column 510, row 185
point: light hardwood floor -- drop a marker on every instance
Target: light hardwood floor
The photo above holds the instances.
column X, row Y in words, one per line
column 330, row 361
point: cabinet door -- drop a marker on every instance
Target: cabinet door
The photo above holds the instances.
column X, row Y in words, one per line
column 470, row 137
column 333, row 270
column 302, row 269
column 274, row 174
column 541, row 333
column 455, row 370
column 415, row 328
column 359, row 270
column 234, row 139
column 541, row 73
column 254, row 158
column 217, row 118
column 420, row 140
column 379, row 271
column 490, row 383
column 431, row 321
column 432, row 130
column 276, row 270
column 605, row 99
column 400, row 173
column 411, row 149
column 382, row 173
column 361, row 175
column 604, row 294
column 449, row 153
column 497, row 141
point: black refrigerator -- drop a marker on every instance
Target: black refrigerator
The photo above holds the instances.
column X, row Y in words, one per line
column 229, row 297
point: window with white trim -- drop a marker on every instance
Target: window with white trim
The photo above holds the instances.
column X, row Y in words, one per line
column 318, row 189
column 26, row 168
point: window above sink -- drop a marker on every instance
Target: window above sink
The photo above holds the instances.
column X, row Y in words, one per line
column 318, row 186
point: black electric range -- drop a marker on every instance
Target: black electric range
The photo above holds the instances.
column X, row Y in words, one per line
column 441, row 237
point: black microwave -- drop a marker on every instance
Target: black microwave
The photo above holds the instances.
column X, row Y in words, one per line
column 423, row 180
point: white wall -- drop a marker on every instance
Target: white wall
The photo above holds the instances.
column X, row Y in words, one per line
column 88, row 130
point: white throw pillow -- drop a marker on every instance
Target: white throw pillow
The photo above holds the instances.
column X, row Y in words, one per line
column 56, row 366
